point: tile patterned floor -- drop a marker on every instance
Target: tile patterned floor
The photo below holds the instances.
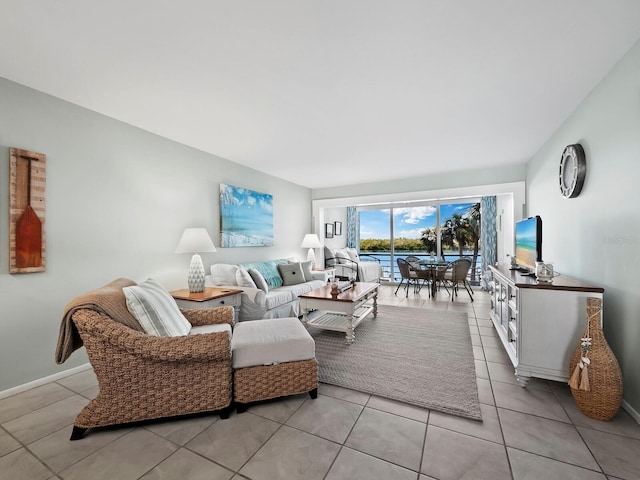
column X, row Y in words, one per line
column 526, row 433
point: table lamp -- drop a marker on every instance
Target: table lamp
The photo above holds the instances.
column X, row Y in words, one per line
column 195, row 240
column 311, row 241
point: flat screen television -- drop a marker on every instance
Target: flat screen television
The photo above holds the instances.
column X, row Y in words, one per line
column 528, row 243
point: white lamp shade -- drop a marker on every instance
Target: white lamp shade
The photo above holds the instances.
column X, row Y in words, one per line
column 311, row 240
column 195, row 240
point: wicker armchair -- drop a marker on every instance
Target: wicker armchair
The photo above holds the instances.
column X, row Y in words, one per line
column 456, row 274
column 409, row 276
column 143, row 377
column 423, row 276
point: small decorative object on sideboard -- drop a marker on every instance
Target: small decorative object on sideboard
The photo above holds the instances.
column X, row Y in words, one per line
column 544, row 272
column 596, row 379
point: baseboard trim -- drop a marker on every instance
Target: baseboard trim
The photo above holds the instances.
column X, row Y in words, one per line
column 42, row 381
column 57, row 376
column 630, row 410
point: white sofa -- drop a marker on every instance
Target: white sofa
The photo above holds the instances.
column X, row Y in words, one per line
column 271, row 296
column 347, row 262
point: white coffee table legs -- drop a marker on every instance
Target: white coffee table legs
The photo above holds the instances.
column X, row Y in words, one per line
column 351, row 331
column 340, row 315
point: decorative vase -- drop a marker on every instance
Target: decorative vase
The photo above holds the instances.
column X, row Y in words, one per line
column 595, row 376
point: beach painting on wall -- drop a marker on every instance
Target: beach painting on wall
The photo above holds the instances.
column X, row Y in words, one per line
column 246, row 217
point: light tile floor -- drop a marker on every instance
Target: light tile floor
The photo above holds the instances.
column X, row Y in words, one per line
column 526, row 433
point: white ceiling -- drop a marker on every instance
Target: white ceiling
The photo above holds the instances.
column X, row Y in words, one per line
column 326, row 92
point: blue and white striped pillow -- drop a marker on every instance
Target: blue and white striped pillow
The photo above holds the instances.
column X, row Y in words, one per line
column 156, row 310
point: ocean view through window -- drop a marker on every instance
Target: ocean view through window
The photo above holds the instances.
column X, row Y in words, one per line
column 449, row 231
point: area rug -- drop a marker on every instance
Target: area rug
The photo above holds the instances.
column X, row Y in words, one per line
column 416, row 356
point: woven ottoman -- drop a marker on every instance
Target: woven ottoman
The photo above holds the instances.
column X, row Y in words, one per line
column 272, row 358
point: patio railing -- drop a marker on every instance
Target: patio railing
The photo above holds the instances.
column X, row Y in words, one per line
column 391, row 273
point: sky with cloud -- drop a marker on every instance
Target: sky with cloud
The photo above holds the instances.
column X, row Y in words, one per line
column 409, row 222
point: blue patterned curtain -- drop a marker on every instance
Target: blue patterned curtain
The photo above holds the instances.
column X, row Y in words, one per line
column 352, row 227
column 489, row 238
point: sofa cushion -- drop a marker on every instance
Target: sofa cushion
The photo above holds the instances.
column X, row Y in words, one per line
column 156, row 310
column 269, row 271
column 224, row 274
column 271, row 341
column 297, row 290
column 306, row 269
column 243, row 278
column 277, row 297
column 259, row 280
column 291, row 273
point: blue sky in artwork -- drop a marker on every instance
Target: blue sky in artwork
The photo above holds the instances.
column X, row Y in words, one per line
column 409, row 222
column 246, row 211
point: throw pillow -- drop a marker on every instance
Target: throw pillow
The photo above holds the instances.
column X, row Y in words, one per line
column 224, row 274
column 259, row 280
column 156, row 310
column 353, row 254
column 291, row 274
column 269, row 271
column 244, row 279
column 306, row 269
column 343, row 257
column 329, row 257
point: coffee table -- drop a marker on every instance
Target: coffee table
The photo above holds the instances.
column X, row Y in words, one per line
column 340, row 313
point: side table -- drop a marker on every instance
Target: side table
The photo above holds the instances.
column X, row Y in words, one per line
column 324, row 274
column 211, row 297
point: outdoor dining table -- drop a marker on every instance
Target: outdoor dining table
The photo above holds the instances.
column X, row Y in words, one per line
column 433, row 266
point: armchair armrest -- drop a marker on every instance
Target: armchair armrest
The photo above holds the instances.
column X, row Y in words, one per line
column 209, row 316
column 100, row 332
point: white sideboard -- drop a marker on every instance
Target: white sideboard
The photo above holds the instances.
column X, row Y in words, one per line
column 539, row 324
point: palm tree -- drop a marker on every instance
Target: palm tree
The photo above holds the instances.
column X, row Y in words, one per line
column 454, row 230
column 429, row 239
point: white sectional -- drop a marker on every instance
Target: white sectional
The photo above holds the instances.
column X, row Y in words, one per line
column 277, row 301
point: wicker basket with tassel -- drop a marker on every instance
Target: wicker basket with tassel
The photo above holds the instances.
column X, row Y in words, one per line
column 595, row 376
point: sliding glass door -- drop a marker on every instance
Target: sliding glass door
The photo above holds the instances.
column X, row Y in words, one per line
column 460, row 233
column 448, row 230
column 375, row 236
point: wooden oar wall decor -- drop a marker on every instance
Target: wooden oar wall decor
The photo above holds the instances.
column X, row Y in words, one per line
column 27, row 180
